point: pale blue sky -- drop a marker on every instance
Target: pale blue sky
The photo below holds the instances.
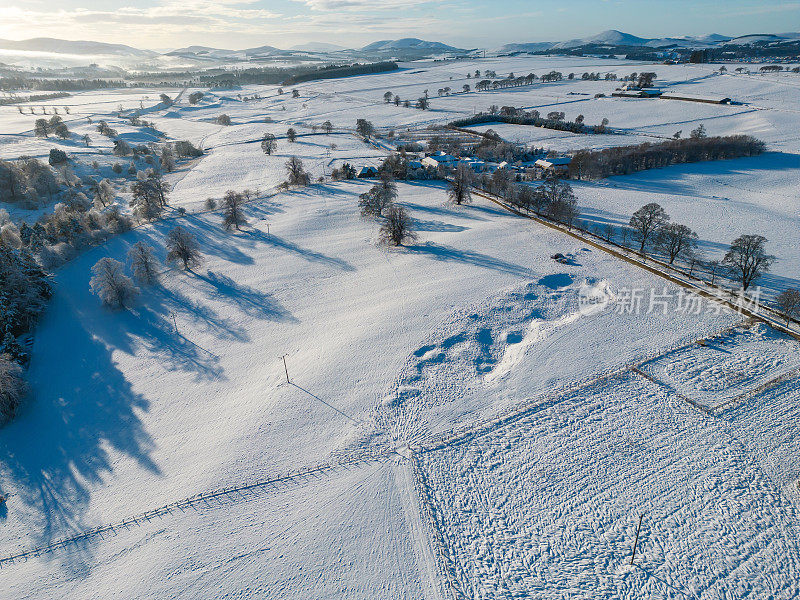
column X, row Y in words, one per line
column 470, row 23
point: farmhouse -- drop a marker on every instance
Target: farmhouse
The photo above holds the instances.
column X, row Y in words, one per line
column 367, row 171
column 438, row 159
column 556, row 166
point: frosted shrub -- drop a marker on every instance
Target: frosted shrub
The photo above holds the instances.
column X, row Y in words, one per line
column 55, row 255
column 110, row 283
column 12, row 388
column 144, row 264
column 9, row 234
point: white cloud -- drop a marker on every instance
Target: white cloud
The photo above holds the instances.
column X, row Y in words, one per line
column 366, row 5
column 165, row 22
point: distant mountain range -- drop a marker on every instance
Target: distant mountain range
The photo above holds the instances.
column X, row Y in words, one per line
column 402, row 49
column 612, row 38
column 405, row 45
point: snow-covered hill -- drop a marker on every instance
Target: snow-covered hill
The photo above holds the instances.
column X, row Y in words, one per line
column 58, row 46
column 407, row 44
column 612, row 37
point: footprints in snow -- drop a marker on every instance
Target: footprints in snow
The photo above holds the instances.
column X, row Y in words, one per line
column 470, row 345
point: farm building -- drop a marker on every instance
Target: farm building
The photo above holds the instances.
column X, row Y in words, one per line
column 553, row 165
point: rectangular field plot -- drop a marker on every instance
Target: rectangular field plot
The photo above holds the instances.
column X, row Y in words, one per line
column 727, row 368
column 547, row 507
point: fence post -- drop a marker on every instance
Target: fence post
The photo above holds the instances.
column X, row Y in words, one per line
column 636, row 543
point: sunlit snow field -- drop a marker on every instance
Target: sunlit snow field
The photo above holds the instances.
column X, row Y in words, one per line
column 514, row 435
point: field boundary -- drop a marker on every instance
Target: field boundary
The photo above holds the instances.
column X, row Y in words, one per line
column 235, row 493
column 739, row 307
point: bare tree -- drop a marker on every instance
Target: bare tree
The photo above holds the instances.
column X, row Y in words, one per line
column 713, row 266
column 12, row 388
column 397, row 228
column 291, row 134
column 223, row 119
column 160, row 186
column 564, row 210
column 145, row 202
column 699, row 133
column 646, row 223
column 144, row 264
column 788, row 302
column 327, row 127
column 676, row 240
column 556, row 199
column 364, row 128
column 379, row 198
column 110, row 283
column 296, row 171
column 459, row 191
column 268, row 143
column 232, row 213
column 167, row 159
column 41, row 128
column 104, row 192
column 182, row 247
column 748, row 258
column 524, row 197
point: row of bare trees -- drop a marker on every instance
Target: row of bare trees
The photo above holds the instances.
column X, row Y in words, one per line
column 623, row 160
column 746, row 258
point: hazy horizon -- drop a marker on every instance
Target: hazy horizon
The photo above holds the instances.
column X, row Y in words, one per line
column 238, row 24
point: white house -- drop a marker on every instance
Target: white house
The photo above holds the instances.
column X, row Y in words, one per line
column 438, row 159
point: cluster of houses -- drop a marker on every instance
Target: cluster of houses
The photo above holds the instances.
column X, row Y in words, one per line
column 441, row 161
column 530, row 170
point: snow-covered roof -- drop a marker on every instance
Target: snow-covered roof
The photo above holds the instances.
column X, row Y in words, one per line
column 547, row 163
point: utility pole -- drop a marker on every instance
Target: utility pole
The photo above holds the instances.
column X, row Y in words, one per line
column 636, row 543
column 286, row 369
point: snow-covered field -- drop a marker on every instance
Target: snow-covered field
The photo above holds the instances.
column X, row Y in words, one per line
column 511, row 432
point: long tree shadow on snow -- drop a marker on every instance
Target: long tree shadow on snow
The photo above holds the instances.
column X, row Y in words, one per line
column 437, row 226
column 249, row 300
column 84, row 409
column 306, row 253
column 470, row 257
column 151, row 323
column 210, row 234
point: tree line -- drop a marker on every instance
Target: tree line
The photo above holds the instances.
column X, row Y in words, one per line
column 623, row 160
column 553, row 120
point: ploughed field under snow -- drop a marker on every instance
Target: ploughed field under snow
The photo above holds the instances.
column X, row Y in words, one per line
column 494, row 422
